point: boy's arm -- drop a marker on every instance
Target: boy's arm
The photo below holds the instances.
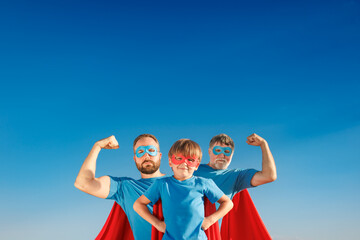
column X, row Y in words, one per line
column 140, row 206
column 225, row 206
column 86, row 181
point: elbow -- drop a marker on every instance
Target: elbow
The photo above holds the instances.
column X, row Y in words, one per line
column 270, row 179
column 273, row 177
column 135, row 206
column 79, row 185
column 231, row 205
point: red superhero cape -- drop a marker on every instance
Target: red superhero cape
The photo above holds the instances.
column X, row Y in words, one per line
column 116, row 226
column 243, row 222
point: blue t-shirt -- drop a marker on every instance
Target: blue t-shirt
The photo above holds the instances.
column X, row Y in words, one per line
column 230, row 181
column 125, row 191
column 183, row 204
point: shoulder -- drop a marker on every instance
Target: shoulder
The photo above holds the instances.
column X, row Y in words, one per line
column 204, row 167
column 121, row 179
column 162, row 180
column 203, row 181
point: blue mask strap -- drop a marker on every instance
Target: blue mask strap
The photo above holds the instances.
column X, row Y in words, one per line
column 146, row 149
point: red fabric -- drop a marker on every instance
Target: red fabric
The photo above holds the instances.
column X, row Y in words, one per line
column 212, row 232
column 117, row 226
column 243, row 222
column 157, row 212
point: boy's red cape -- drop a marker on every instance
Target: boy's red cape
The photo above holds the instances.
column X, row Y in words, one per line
column 241, row 223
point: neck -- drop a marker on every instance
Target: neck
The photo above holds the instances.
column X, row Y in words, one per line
column 181, row 178
column 152, row 175
column 209, row 165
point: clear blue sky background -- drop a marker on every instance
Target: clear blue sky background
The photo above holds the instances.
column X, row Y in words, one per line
column 73, row 72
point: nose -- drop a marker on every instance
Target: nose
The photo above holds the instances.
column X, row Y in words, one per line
column 184, row 164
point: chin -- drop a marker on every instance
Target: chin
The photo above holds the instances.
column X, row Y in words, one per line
column 221, row 166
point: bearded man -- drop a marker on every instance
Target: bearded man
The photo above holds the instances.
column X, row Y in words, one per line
column 124, row 190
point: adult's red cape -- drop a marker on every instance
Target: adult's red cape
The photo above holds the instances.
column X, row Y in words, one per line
column 243, row 222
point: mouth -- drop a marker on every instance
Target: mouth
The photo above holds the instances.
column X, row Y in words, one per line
column 183, row 168
column 221, row 160
column 147, row 162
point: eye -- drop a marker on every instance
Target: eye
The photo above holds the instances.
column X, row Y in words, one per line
column 227, row 151
column 178, row 158
column 217, row 150
column 151, row 150
column 191, row 160
column 140, row 151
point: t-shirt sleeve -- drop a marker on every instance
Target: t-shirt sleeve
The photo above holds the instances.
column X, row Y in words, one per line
column 153, row 192
column 115, row 188
column 212, row 191
column 244, row 179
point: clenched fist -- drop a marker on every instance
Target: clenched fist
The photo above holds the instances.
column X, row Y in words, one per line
column 108, row 143
column 255, row 140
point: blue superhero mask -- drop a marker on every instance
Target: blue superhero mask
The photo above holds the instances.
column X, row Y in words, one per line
column 149, row 149
column 225, row 150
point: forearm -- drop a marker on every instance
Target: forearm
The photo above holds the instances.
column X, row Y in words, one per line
column 268, row 164
column 144, row 212
column 223, row 209
column 87, row 170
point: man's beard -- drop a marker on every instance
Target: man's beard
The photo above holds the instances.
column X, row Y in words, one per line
column 148, row 169
column 221, row 164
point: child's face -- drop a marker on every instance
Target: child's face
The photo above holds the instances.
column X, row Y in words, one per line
column 183, row 167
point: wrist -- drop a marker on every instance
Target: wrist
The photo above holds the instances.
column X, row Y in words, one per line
column 158, row 223
column 264, row 144
column 211, row 219
column 97, row 146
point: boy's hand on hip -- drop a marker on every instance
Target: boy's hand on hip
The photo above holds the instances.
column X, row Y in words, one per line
column 161, row 227
column 206, row 223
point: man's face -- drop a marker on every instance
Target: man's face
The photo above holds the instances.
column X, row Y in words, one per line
column 220, row 161
column 147, row 164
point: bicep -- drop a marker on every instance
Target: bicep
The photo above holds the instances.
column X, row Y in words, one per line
column 98, row 187
column 258, row 179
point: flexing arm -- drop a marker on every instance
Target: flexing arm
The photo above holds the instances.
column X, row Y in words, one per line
column 268, row 172
column 86, row 181
column 225, row 206
column 140, row 206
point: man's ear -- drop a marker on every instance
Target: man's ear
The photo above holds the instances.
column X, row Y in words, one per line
column 209, row 151
column 134, row 158
column 160, row 155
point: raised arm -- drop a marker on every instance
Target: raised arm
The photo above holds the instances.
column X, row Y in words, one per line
column 86, row 181
column 268, row 172
column 225, row 206
column 140, row 206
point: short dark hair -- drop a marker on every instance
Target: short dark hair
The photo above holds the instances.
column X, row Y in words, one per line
column 145, row 135
column 223, row 139
column 187, row 148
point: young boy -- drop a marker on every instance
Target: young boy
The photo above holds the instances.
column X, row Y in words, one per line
column 182, row 196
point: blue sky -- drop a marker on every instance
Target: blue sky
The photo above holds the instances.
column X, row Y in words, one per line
column 73, row 72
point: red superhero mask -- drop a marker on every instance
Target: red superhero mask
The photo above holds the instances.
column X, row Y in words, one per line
column 190, row 161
